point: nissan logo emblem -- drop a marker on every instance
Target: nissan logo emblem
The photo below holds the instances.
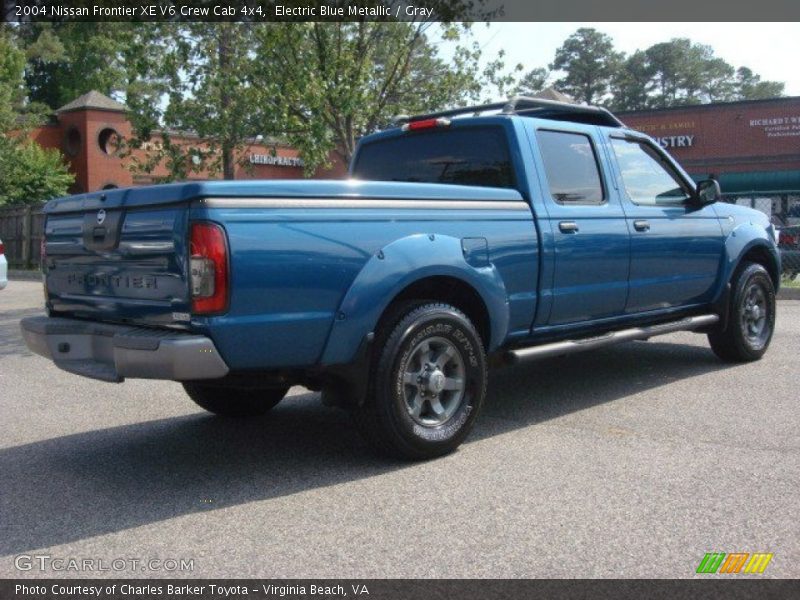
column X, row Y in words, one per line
column 101, row 216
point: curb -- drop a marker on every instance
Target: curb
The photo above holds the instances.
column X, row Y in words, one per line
column 788, row 294
column 24, row 275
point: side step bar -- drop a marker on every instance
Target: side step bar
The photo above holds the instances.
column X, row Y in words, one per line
column 608, row 339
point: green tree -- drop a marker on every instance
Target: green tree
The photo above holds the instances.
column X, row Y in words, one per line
column 666, row 62
column 30, row 174
column 319, row 86
column 717, row 80
column 749, row 86
column 16, row 112
column 533, row 82
column 12, row 63
column 589, row 62
column 208, row 67
column 66, row 60
column 123, row 60
column 632, row 83
column 684, row 72
column 324, row 85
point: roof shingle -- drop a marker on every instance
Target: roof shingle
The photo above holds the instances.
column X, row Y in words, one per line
column 93, row 100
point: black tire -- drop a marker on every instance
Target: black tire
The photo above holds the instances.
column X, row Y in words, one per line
column 416, row 413
column 234, row 402
column 751, row 317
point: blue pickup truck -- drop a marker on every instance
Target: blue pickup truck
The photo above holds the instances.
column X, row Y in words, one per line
column 481, row 236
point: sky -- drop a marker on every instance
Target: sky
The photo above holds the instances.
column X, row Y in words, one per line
column 769, row 49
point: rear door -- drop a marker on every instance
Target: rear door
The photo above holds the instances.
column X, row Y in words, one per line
column 590, row 237
column 676, row 247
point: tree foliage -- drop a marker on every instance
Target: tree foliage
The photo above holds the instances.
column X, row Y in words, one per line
column 589, row 62
column 28, row 173
column 207, row 73
column 672, row 73
column 317, row 86
column 327, row 84
column 320, row 86
column 681, row 72
column 749, row 86
column 533, row 82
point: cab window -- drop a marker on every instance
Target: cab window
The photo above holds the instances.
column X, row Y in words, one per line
column 648, row 179
column 571, row 167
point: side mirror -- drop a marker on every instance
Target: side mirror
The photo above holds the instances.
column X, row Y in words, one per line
column 708, row 192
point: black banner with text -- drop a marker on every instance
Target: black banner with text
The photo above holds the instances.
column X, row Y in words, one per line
column 394, row 589
column 403, row 10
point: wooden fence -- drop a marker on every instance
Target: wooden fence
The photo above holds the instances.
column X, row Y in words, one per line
column 21, row 233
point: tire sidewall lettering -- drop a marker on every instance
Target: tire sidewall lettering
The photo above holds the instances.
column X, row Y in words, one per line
column 443, row 326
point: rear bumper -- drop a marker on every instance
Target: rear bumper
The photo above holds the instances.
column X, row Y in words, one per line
column 114, row 352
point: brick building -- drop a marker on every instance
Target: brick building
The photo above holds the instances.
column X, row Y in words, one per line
column 751, row 147
column 87, row 129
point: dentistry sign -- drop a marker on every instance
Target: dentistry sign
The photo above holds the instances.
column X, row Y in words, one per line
column 675, row 141
column 670, row 135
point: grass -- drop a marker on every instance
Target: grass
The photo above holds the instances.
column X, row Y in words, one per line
column 790, row 283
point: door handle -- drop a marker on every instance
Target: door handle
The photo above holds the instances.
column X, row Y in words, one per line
column 641, row 225
column 568, row 227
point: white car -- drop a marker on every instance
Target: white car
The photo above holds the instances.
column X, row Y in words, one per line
column 3, row 266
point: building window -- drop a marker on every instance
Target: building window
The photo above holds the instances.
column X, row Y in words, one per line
column 72, row 141
column 109, row 141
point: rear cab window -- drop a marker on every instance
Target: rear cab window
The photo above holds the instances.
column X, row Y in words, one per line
column 477, row 156
column 571, row 167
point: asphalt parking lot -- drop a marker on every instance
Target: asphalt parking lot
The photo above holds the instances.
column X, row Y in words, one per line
column 633, row 461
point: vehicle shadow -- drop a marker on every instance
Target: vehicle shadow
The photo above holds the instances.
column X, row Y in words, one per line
column 74, row 487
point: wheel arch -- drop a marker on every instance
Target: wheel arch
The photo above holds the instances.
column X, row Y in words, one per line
column 750, row 243
column 449, row 290
column 761, row 254
column 757, row 251
column 428, row 267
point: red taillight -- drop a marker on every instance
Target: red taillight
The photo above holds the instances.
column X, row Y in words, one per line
column 208, row 263
column 425, row 124
column 787, row 239
column 2, row 249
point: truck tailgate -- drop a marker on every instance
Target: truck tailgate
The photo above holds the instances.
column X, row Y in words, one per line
column 110, row 260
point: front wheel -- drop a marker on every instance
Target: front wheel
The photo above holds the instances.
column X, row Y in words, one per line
column 751, row 319
column 427, row 385
column 234, row 402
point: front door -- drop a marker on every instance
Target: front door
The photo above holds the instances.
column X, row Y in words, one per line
column 676, row 246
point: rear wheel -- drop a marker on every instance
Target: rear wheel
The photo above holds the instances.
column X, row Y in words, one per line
column 751, row 318
column 427, row 384
column 234, row 402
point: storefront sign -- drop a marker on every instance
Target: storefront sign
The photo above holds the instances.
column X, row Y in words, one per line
column 788, row 126
column 669, row 135
column 277, row 161
column 675, row 141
